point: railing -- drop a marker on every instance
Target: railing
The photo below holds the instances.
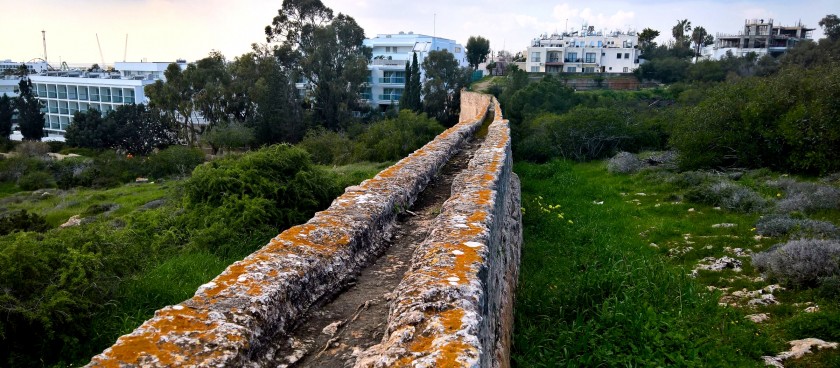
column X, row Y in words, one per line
column 392, row 80
column 391, row 97
column 573, row 60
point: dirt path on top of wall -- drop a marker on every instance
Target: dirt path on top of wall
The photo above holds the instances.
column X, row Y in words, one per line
column 331, row 334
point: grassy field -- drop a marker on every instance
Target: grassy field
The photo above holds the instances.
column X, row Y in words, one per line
column 606, row 276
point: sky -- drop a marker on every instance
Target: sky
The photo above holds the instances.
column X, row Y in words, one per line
column 165, row 30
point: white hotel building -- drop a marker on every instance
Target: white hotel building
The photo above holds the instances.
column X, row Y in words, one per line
column 390, row 54
column 585, row 51
column 63, row 93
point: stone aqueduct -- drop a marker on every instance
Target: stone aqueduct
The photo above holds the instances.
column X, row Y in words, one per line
column 453, row 307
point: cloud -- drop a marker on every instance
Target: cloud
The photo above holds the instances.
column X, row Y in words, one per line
column 621, row 19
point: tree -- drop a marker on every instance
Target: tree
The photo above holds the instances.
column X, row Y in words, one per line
column 444, row 80
column 410, row 98
column 831, row 26
column 477, row 50
column 646, row 38
column 140, row 130
column 30, row 118
column 90, row 130
column 698, row 37
column 6, row 113
column 680, row 31
column 175, row 97
column 326, row 51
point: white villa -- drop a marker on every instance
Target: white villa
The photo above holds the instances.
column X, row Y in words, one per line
column 390, row 54
column 584, row 51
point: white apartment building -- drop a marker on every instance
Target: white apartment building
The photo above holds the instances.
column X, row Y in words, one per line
column 390, row 54
column 63, row 93
column 584, row 51
column 8, row 75
column 760, row 37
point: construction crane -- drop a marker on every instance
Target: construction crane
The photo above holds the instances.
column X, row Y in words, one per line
column 125, row 51
column 102, row 58
column 44, row 36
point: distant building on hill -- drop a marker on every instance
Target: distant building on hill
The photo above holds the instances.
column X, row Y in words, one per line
column 584, row 51
column 760, row 36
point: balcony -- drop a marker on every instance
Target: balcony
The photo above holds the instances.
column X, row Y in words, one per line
column 554, row 61
column 392, row 80
column 385, row 62
column 570, row 60
column 366, row 96
column 391, row 97
column 128, row 100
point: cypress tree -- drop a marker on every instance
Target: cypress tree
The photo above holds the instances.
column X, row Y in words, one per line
column 415, row 86
column 6, row 112
column 30, row 117
column 405, row 98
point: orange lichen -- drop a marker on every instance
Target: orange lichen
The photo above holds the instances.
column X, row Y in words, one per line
column 129, row 349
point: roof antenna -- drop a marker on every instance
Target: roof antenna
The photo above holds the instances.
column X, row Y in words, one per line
column 125, row 52
column 102, row 58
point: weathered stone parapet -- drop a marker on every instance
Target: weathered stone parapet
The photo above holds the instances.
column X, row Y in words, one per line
column 454, row 307
column 472, row 104
column 231, row 318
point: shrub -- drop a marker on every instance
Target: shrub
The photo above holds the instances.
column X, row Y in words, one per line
column 32, row 149
column 394, row 138
column 22, row 221
column 728, row 195
column 624, row 163
column 36, row 180
column 69, row 171
column 227, row 137
column 328, row 147
column 691, row 179
column 277, row 186
column 782, row 225
column 822, row 325
column 175, row 160
column 806, row 197
column 800, row 263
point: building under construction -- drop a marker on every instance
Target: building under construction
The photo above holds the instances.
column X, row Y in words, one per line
column 761, row 37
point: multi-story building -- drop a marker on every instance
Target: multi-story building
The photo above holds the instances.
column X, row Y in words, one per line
column 585, row 51
column 390, row 54
column 9, row 78
column 760, row 36
column 63, row 93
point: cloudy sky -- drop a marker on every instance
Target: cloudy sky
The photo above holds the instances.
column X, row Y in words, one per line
column 164, row 30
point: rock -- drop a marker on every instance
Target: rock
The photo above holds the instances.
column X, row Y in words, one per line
column 76, row 220
column 813, row 309
column 758, row 318
column 766, row 299
column 154, row 204
column 720, row 264
column 798, row 348
column 332, row 328
column 724, row 225
column 141, row 180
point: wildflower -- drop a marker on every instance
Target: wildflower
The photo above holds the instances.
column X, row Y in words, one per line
column 570, row 221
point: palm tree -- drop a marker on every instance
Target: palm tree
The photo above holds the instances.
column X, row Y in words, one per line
column 698, row 37
column 679, row 31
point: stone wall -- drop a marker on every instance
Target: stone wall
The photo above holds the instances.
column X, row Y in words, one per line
column 230, row 319
column 454, row 307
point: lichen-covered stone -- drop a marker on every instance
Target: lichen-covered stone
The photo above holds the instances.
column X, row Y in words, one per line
column 454, row 307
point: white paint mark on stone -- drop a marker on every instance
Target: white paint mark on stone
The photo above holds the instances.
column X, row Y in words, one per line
column 453, row 279
column 457, row 252
column 472, row 244
column 178, row 307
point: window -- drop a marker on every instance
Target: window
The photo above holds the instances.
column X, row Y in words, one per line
column 626, row 70
column 571, row 69
column 535, row 57
column 626, row 55
column 618, row 55
column 589, row 69
column 571, row 57
column 590, row 57
column 535, row 69
column 457, row 50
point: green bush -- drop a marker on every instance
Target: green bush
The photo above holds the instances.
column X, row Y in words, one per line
column 175, row 160
column 36, row 180
column 68, row 172
column 788, row 122
column 328, row 147
column 821, row 325
column 276, row 186
column 227, row 137
column 394, row 138
column 22, row 221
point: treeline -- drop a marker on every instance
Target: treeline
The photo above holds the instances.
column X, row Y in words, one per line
column 737, row 112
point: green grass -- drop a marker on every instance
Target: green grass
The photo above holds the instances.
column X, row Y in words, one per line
column 7, row 189
column 593, row 292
